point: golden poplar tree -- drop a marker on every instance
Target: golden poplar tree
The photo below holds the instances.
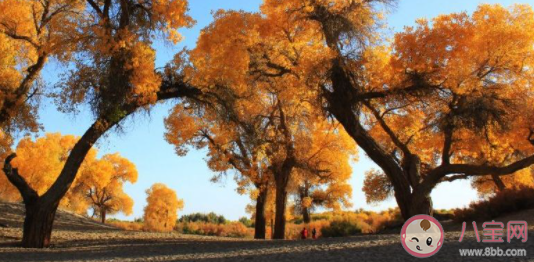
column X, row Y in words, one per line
column 162, row 208
column 113, row 72
column 101, row 183
column 255, row 111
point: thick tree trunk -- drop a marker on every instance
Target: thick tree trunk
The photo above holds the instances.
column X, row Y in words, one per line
column 41, row 210
column 260, row 221
column 280, row 213
column 103, row 215
column 281, row 177
column 38, row 224
column 306, row 215
column 421, row 207
column 417, row 203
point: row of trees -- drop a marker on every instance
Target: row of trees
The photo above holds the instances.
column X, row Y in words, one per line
column 281, row 96
column 437, row 91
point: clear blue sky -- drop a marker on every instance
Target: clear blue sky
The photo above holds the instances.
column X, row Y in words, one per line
column 143, row 143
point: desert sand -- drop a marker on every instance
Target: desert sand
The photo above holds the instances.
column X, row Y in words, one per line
column 80, row 239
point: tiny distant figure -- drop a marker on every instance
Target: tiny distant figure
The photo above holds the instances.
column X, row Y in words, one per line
column 314, row 233
column 304, row 233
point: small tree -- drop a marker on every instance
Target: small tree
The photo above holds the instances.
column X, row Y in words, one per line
column 162, row 207
column 102, row 185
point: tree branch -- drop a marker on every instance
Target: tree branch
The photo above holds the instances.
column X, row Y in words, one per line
column 29, row 195
column 96, row 8
column 467, row 170
column 402, row 146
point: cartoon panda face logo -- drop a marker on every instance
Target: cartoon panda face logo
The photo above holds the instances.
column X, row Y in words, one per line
column 422, row 236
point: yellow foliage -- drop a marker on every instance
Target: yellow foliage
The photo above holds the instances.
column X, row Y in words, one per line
column 162, row 207
column 99, row 184
column 115, row 63
column 41, row 161
column 126, row 225
column 102, row 181
column 32, row 31
column 232, row 229
column 143, row 76
column 485, row 185
column 376, row 186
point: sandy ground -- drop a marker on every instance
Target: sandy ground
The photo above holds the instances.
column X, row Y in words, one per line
column 76, row 239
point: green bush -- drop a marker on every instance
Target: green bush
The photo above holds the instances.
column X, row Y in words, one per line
column 505, row 202
column 341, row 228
column 246, row 221
column 207, row 218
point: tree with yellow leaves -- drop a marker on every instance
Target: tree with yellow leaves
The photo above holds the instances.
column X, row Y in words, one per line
column 441, row 103
column 102, row 181
column 99, row 185
column 31, row 32
column 6, row 189
column 162, row 208
column 113, row 72
column 235, row 145
column 323, row 178
column 253, row 116
column 40, row 162
column 451, row 99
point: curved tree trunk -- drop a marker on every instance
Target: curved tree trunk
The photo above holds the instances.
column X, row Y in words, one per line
column 41, row 210
column 259, row 220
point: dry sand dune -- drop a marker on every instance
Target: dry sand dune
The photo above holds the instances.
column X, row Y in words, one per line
column 79, row 239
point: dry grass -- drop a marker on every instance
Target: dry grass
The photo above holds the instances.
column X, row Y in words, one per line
column 231, row 229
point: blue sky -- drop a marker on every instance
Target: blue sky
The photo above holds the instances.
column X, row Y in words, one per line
column 142, row 141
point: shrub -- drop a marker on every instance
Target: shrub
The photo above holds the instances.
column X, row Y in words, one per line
column 232, row 229
column 341, row 228
column 246, row 221
column 200, row 217
column 127, row 225
column 501, row 203
column 367, row 222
